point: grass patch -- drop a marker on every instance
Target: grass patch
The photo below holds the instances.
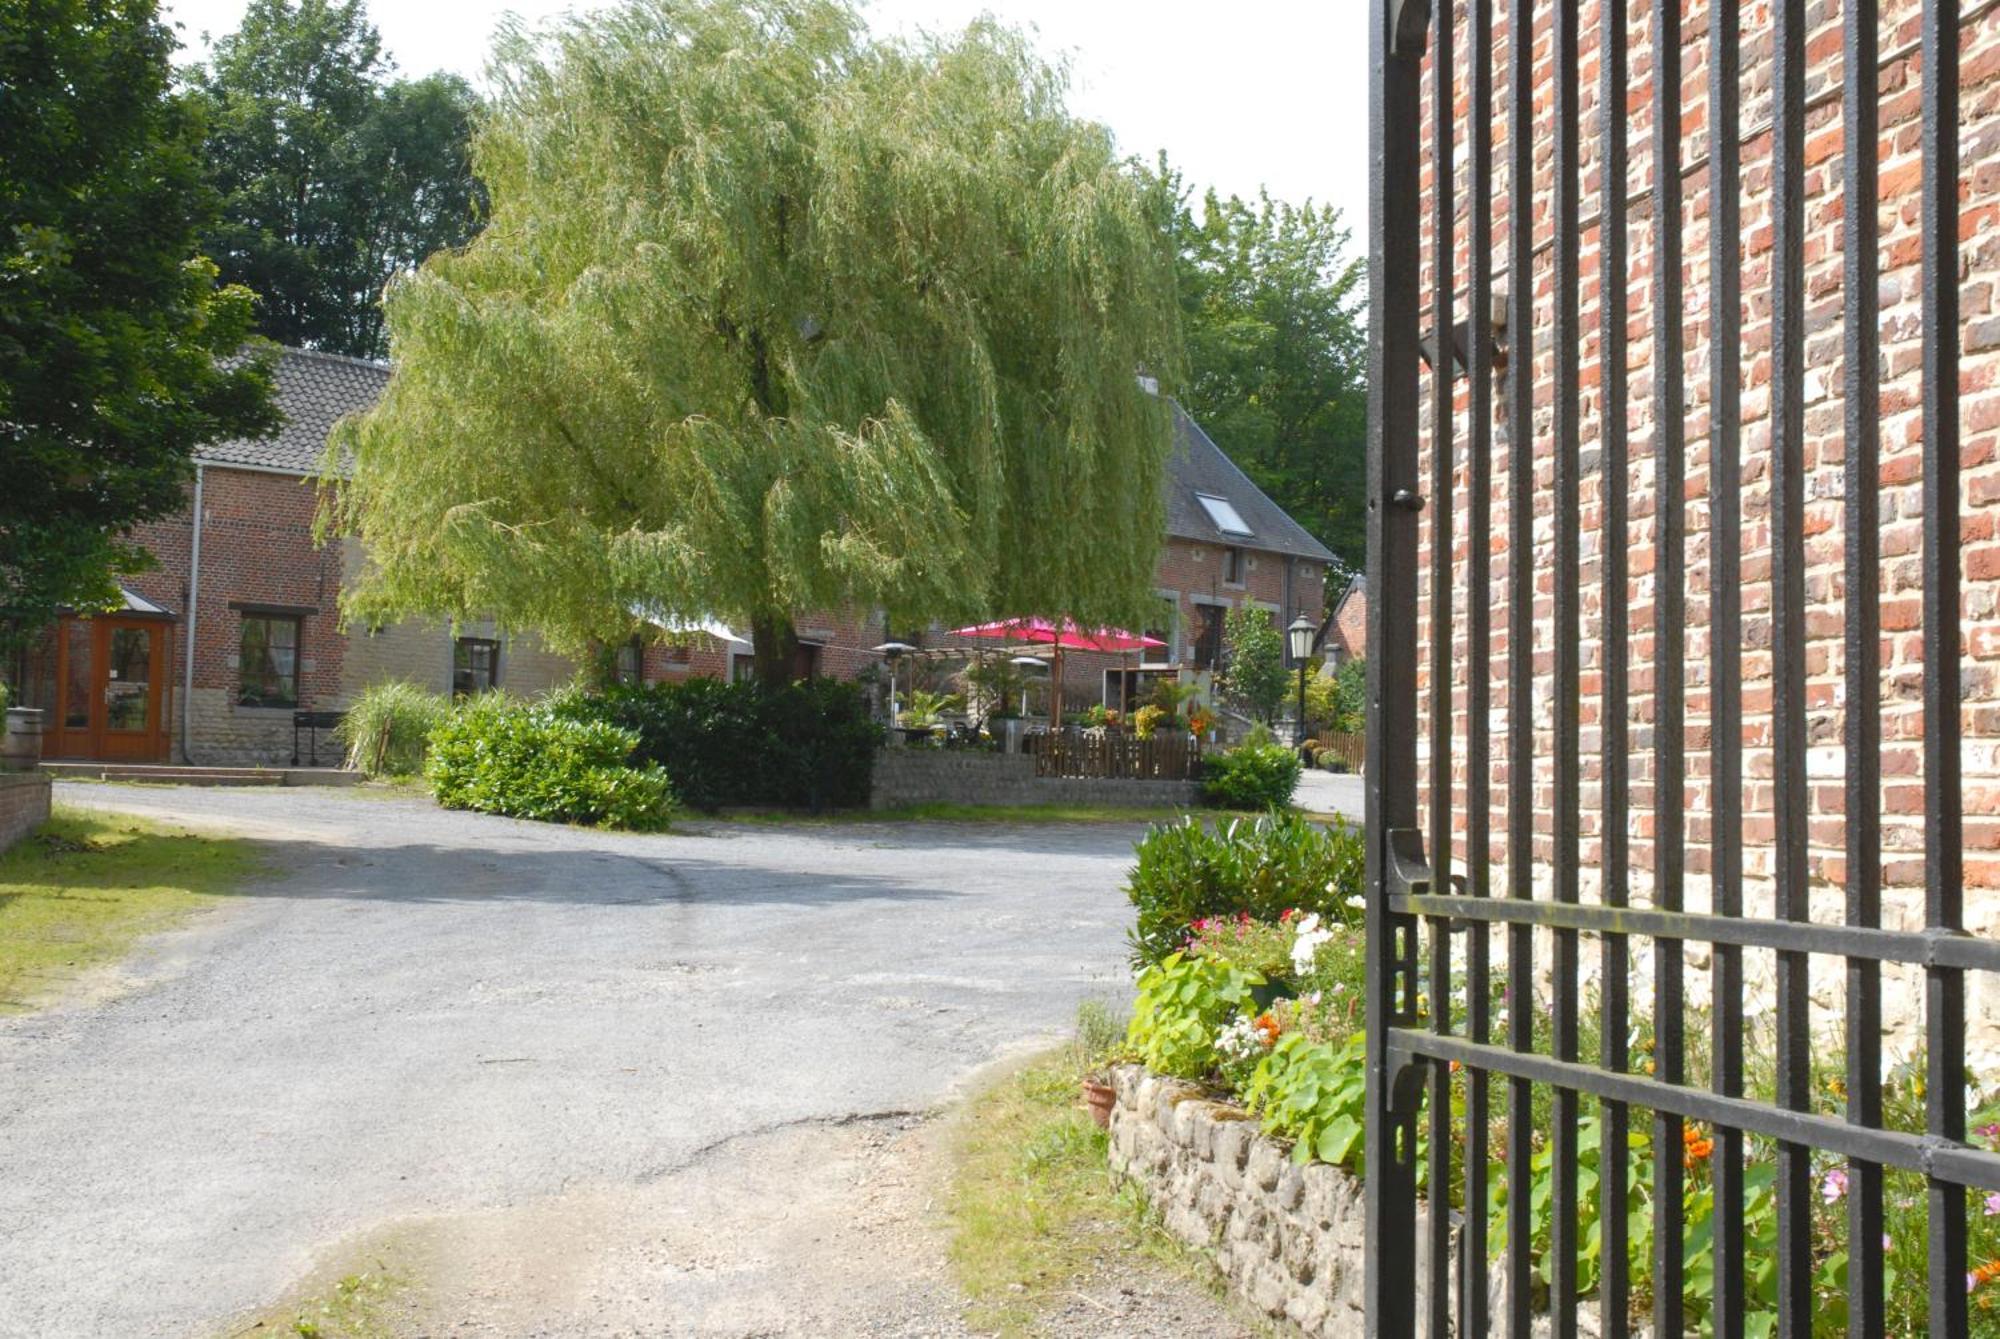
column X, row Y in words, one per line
column 81, row 889
column 1035, row 1212
column 367, row 1304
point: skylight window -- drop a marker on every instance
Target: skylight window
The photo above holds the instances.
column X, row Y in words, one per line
column 1223, row 512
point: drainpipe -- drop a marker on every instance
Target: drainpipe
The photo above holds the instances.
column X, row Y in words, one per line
column 193, row 604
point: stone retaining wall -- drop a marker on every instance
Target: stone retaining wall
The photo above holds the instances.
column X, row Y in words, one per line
column 24, row 805
column 1290, row 1238
column 949, row 776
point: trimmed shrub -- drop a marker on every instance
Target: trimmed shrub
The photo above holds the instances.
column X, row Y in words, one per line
column 499, row 756
column 807, row 745
column 388, row 728
column 1255, row 776
column 1264, row 867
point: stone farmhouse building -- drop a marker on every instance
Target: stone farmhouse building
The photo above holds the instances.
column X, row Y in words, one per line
column 238, row 627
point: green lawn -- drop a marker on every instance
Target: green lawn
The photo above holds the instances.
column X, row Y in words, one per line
column 83, row 888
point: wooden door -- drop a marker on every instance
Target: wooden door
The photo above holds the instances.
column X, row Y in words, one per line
column 111, row 675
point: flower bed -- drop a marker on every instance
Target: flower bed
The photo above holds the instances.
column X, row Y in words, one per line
column 1251, row 968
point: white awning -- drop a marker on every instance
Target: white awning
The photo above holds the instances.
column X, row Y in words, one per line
column 139, row 604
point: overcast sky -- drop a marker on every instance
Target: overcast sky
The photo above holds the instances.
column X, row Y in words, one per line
column 1269, row 93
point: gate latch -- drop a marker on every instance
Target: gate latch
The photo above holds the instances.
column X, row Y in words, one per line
column 1409, row 876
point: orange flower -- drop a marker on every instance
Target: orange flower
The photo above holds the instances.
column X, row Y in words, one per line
column 1697, row 1150
column 1985, row 1274
column 1267, row 1029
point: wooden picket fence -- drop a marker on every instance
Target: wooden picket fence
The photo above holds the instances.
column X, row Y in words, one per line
column 1351, row 749
column 1165, row 756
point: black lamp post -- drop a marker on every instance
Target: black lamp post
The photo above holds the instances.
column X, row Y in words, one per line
column 1300, row 635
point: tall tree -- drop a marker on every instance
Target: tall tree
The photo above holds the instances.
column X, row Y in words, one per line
column 334, row 177
column 112, row 326
column 772, row 317
column 1277, row 348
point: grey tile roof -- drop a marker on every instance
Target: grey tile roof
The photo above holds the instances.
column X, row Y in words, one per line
column 315, row 391
column 1198, row 466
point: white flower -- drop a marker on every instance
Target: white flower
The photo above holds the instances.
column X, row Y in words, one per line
column 1310, row 934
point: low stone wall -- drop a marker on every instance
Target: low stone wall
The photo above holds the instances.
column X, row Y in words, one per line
column 1290, row 1238
column 24, row 805
column 951, row 776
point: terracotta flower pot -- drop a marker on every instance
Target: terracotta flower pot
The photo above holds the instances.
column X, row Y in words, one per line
column 1100, row 1098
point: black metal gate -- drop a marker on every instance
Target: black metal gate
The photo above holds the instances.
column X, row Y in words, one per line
column 1762, row 1134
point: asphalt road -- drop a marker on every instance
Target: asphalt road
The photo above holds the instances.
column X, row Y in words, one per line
column 420, row 1013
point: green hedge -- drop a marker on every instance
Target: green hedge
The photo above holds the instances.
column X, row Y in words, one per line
column 1255, row 776
column 500, row 756
column 807, row 745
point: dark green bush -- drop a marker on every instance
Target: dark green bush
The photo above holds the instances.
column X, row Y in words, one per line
column 807, row 745
column 1255, row 776
column 500, row 756
column 1265, row 866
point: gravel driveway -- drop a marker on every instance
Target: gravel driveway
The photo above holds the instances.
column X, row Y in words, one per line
column 421, row 1013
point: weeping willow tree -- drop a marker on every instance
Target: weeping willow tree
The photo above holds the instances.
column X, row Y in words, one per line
column 769, row 317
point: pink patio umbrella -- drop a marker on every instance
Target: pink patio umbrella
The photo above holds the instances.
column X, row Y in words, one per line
column 1046, row 632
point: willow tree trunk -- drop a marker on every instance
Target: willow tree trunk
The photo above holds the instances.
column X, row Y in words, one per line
column 774, row 643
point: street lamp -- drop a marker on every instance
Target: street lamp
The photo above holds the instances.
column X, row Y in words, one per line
column 1300, row 635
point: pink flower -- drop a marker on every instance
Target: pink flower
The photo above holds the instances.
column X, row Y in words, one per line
column 1834, row 1186
column 1993, row 1205
column 1989, row 1131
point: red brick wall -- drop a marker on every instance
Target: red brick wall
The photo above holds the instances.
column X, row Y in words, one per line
column 1350, row 626
column 1898, row 157
column 256, row 548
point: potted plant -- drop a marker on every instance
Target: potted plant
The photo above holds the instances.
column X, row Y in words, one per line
column 922, row 715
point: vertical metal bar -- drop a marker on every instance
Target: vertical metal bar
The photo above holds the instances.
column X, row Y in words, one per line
column 1669, row 642
column 1520, row 648
column 1473, row 1319
column 1867, row 1299
column 1613, row 483
column 1564, row 1248
column 1443, row 388
column 1788, row 647
column 1725, row 523
column 1391, row 793
column 1944, row 894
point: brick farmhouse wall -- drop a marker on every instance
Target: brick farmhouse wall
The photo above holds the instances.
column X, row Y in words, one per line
column 1902, row 431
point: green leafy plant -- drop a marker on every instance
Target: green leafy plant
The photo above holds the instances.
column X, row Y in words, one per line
column 1187, row 871
column 1316, row 1094
column 500, row 756
column 388, row 728
column 1183, row 1002
column 1255, row 776
column 922, row 709
column 1149, row 718
column 1254, row 675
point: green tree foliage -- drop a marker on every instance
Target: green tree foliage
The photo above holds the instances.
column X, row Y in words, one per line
column 772, row 317
column 1254, row 662
column 1338, row 700
column 111, row 324
column 334, row 177
column 1277, row 348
